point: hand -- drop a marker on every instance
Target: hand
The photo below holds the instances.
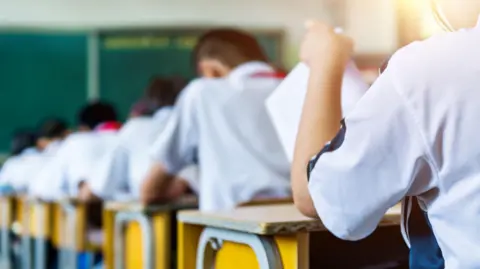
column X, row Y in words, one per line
column 323, row 48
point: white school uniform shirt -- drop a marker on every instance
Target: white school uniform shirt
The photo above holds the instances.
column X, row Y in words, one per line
column 414, row 133
column 18, row 171
column 120, row 173
column 224, row 125
column 73, row 162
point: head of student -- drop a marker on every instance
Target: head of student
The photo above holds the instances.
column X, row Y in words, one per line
column 160, row 93
column 459, row 13
column 95, row 113
column 50, row 130
column 220, row 51
column 22, row 140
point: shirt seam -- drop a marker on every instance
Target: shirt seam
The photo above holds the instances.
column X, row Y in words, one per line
column 428, row 152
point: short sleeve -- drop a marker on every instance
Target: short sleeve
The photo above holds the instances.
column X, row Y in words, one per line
column 370, row 165
column 177, row 144
column 111, row 173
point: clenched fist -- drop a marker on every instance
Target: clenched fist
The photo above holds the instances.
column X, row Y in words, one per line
column 323, row 48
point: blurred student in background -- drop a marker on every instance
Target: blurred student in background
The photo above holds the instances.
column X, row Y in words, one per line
column 221, row 121
column 120, row 172
column 23, row 143
column 30, row 152
column 78, row 154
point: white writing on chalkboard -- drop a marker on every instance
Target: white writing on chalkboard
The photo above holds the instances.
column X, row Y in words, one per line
column 149, row 42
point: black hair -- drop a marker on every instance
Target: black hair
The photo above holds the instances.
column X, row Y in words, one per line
column 95, row 113
column 22, row 140
column 52, row 128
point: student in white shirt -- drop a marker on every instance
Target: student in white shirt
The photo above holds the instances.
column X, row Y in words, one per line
column 119, row 174
column 23, row 144
column 75, row 160
column 221, row 123
column 30, row 153
column 413, row 134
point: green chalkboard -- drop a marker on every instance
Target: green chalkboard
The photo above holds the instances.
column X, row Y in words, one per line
column 129, row 59
column 41, row 75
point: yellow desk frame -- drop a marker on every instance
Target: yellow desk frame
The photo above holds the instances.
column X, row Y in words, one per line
column 139, row 236
column 7, row 215
column 266, row 237
column 72, row 216
column 37, row 224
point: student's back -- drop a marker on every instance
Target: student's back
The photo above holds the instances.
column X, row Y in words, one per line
column 221, row 123
column 122, row 169
column 239, row 153
column 445, row 110
column 80, row 154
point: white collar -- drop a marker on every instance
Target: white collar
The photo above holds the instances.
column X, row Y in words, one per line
column 29, row 151
column 237, row 76
column 52, row 147
column 163, row 113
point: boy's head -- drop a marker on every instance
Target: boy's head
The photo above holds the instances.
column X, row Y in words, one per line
column 219, row 51
column 93, row 114
column 22, row 140
column 51, row 130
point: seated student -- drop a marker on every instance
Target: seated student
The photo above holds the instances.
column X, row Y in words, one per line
column 412, row 134
column 221, row 121
column 119, row 174
column 23, row 143
column 17, row 171
column 78, row 154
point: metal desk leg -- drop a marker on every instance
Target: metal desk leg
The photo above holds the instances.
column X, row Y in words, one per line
column 121, row 220
column 6, row 247
column 68, row 257
column 26, row 243
column 265, row 248
column 40, row 241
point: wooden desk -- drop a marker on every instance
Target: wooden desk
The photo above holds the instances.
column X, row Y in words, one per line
column 138, row 236
column 271, row 236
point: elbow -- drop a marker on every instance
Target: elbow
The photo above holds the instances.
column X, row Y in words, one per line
column 306, row 210
column 147, row 199
column 301, row 196
column 305, row 205
column 341, row 227
column 150, row 193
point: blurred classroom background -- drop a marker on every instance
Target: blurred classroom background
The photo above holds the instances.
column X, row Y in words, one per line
column 54, row 55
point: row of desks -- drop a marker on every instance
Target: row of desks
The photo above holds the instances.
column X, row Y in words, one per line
column 135, row 236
